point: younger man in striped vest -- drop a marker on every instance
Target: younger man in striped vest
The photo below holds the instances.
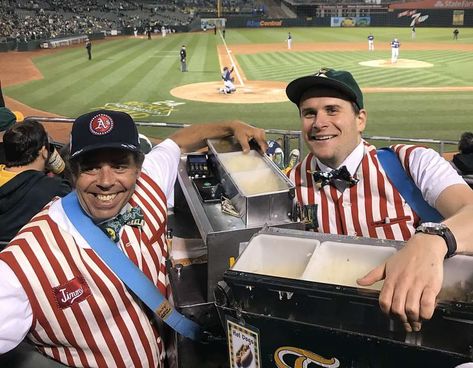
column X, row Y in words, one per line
column 333, row 118
column 56, row 290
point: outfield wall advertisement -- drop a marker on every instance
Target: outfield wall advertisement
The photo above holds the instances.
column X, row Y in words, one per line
column 350, row 21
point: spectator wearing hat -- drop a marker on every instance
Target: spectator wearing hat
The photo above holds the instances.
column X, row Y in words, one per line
column 463, row 161
column 7, row 119
column 59, row 292
column 24, row 186
column 343, row 180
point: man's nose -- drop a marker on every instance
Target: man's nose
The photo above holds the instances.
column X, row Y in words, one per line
column 319, row 121
column 105, row 176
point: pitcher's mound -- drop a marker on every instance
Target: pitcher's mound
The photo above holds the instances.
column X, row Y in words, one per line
column 251, row 92
column 401, row 63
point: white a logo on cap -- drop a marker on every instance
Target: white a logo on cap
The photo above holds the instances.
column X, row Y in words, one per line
column 321, row 73
column 101, row 124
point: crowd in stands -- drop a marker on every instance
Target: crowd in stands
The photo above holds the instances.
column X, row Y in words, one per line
column 33, row 20
column 25, row 20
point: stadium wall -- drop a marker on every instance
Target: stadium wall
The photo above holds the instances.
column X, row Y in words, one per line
column 395, row 18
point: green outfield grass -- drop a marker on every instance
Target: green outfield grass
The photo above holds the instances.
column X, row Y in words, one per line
column 140, row 71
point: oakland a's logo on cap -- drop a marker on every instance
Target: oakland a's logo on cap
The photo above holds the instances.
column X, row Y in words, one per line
column 101, row 124
column 321, row 73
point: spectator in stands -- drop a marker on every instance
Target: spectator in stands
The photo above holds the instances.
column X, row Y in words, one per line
column 25, row 188
column 463, row 161
column 7, row 119
column 342, row 168
column 113, row 181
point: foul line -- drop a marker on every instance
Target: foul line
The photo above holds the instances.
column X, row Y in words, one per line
column 231, row 59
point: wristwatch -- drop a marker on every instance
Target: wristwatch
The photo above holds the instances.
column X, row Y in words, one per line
column 442, row 230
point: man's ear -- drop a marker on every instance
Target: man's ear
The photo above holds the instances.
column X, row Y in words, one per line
column 44, row 153
column 361, row 120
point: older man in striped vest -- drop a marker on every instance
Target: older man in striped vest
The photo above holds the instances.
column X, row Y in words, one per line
column 364, row 202
column 56, row 290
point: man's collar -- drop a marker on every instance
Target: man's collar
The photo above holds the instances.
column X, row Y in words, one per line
column 57, row 214
column 351, row 162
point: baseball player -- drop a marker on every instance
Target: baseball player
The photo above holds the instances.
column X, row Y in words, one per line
column 289, row 41
column 370, row 42
column 88, row 46
column 183, row 57
column 455, row 34
column 395, row 44
column 228, row 86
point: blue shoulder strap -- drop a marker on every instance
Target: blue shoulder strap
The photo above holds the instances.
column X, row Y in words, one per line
column 126, row 270
column 404, row 184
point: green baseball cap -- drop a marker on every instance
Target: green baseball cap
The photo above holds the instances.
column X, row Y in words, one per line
column 326, row 79
column 7, row 118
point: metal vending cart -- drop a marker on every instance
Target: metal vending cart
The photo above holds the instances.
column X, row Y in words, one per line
column 223, row 197
column 291, row 300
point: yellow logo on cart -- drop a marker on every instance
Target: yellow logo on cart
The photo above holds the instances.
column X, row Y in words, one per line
column 303, row 358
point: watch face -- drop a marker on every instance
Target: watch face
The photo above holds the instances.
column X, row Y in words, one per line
column 432, row 227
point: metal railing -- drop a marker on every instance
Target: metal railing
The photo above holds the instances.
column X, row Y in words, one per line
column 440, row 142
column 287, row 135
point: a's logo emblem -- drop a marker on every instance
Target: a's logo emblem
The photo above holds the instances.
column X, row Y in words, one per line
column 321, row 73
column 304, row 358
column 73, row 291
column 101, row 124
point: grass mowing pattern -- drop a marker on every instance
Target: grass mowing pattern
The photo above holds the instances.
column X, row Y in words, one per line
column 450, row 69
column 145, row 71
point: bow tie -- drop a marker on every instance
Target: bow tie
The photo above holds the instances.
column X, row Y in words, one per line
column 133, row 217
column 342, row 174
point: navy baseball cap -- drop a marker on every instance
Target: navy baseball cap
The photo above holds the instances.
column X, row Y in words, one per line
column 104, row 129
column 330, row 83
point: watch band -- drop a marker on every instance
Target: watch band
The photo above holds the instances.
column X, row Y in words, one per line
column 451, row 242
column 443, row 231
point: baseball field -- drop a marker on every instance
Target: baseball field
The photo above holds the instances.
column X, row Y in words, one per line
column 428, row 93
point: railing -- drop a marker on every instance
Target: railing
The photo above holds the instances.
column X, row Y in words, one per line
column 440, row 142
column 287, row 135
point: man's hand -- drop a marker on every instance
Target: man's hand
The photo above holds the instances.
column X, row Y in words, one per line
column 193, row 137
column 244, row 133
column 412, row 280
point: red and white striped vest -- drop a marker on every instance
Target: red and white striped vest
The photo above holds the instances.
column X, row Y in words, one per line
column 372, row 208
column 83, row 315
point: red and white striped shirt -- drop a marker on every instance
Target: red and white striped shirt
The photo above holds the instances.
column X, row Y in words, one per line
column 83, row 315
column 373, row 207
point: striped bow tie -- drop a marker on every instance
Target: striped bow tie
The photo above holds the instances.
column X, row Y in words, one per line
column 132, row 217
column 342, row 175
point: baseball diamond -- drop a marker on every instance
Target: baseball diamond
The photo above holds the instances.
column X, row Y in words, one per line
column 428, row 85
